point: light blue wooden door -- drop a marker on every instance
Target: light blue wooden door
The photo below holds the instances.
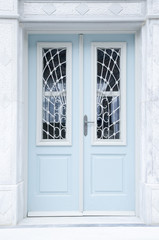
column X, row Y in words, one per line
column 109, row 144
column 54, row 168
column 53, row 179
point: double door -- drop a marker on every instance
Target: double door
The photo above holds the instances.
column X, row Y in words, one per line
column 81, row 124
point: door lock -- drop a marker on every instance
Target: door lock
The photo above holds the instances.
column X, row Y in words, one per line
column 86, row 124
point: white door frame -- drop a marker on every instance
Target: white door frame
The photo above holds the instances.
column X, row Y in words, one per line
column 81, row 95
column 137, row 112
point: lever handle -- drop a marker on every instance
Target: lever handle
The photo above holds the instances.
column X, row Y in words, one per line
column 88, row 122
column 86, row 125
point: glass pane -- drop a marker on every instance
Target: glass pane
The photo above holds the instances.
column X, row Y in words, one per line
column 108, row 93
column 54, row 93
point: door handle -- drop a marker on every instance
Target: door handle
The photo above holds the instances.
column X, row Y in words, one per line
column 85, row 121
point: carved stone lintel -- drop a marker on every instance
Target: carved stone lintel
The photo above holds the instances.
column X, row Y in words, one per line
column 75, row 10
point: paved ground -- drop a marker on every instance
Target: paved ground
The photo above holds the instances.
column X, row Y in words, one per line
column 80, row 233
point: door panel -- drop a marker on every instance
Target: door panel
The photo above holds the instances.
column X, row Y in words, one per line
column 109, row 159
column 53, row 178
column 54, row 144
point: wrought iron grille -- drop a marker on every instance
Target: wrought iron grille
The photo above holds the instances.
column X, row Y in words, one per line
column 108, row 93
column 54, row 93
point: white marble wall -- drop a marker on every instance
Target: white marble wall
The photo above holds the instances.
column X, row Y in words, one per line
column 149, row 154
column 153, row 7
column 10, row 185
column 8, row 7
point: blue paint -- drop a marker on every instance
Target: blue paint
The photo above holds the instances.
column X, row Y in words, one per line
column 55, row 186
column 59, row 194
column 115, row 194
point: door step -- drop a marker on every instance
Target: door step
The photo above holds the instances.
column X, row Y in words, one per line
column 83, row 221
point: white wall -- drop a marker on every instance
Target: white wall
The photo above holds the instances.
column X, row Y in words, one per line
column 150, row 120
column 10, row 184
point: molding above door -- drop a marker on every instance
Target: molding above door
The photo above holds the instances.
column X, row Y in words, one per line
column 81, row 27
column 97, row 11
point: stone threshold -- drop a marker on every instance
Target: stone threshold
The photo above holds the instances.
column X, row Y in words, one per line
column 83, row 221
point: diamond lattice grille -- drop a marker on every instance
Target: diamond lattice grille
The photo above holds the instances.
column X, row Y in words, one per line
column 108, row 93
column 54, row 93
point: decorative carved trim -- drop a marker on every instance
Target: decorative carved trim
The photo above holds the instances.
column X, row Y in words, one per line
column 82, row 9
column 49, row 9
column 115, row 8
column 79, row 11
